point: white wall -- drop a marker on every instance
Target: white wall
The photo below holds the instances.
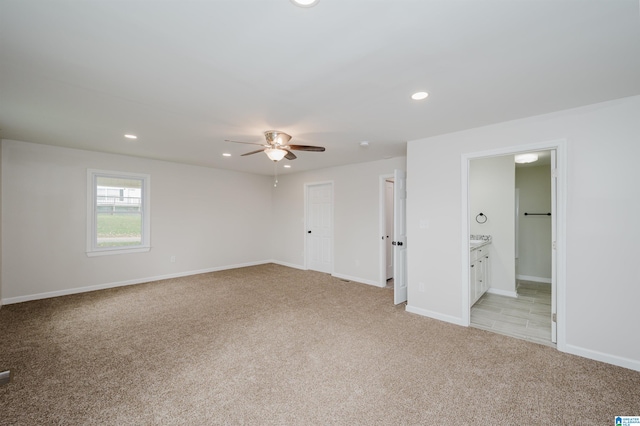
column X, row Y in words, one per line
column 492, row 192
column 534, row 238
column 357, row 236
column 208, row 219
column 602, row 277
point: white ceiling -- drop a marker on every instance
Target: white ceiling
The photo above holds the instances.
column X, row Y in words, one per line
column 185, row 75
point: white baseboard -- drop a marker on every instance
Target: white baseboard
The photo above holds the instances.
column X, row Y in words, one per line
column 499, row 292
column 66, row 292
column 339, row 276
column 289, row 265
column 435, row 315
column 357, row 279
column 631, row 364
column 534, row 279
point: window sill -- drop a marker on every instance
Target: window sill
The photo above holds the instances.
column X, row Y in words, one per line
column 110, row 251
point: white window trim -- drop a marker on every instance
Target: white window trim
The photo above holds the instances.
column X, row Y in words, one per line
column 92, row 249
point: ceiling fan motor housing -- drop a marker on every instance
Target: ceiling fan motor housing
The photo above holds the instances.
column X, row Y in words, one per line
column 276, row 137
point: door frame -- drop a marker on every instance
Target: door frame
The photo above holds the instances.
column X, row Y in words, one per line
column 382, row 280
column 306, row 221
column 560, row 146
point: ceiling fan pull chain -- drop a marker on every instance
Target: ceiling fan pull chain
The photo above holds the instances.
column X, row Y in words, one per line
column 275, row 169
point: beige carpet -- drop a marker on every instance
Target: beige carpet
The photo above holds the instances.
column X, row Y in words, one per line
column 273, row 345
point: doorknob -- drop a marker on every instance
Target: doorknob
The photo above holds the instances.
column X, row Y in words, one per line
column 308, row 232
column 399, row 243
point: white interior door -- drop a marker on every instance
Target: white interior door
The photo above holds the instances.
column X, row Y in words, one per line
column 554, row 252
column 319, row 244
column 399, row 237
column 388, row 217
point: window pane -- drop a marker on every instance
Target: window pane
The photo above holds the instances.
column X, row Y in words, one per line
column 118, row 212
column 119, row 229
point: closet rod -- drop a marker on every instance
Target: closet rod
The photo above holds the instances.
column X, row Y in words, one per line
column 537, row 214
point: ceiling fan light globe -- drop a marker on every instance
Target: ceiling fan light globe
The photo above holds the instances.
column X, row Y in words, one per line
column 275, row 154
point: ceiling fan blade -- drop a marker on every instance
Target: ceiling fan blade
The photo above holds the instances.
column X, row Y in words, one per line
column 307, row 148
column 253, row 152
column 290, row 155
column 246, row 143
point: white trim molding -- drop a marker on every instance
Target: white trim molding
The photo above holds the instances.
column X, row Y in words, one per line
column 436, row 315
column 631, row 364
column 357, row 280
column 560, row 146
column 105, row 286
column 534, row 279
column 92, row 248
column 499, row 292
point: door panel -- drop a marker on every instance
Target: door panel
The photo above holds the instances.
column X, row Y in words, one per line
column 554, row 219
column 400, row 237
column 319, row 247
column 388, row 216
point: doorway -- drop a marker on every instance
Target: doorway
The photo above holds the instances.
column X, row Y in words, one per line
column 518, row 304
column 557, row 151
column 393, row 231
column 388, row 228
column 319, row 227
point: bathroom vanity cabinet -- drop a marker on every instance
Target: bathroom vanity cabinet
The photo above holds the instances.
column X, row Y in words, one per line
column 479, row 273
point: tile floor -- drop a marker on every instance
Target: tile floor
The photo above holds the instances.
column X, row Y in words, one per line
column 527, row 317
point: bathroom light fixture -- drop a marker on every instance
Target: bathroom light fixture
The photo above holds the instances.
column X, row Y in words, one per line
column 418, row 96
column 305, row 3
column 287, row 166
column 275, row 154
column 526, row 158
column 226, row 154
column 129, row 136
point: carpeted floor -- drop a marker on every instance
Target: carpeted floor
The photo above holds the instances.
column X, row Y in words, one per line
column 272, row 345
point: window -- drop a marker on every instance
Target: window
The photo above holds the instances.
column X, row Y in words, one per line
column 117, row 213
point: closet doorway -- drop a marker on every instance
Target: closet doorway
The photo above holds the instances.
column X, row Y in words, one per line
column 319, row 227
column 388, row 229
column 393, row 234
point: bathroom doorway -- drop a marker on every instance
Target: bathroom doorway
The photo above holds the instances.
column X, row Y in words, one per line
column 528, row 306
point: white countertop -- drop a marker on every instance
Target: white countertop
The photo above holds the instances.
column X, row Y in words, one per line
column 475, row 244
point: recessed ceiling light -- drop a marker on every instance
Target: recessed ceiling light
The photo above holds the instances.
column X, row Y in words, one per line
column 526, row 158
column 287, row 166
column 418, row 96
column 131, row 136
column 226, row 154
column 364, row 143
column 305, row 3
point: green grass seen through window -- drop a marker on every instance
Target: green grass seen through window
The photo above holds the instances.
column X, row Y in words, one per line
column 115, row 230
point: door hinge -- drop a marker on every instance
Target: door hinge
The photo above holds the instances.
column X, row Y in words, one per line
column 554, row 317
column 554, row 173
column 554, row 246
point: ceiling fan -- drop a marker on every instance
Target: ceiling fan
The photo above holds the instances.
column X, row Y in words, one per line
column 277, row 146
